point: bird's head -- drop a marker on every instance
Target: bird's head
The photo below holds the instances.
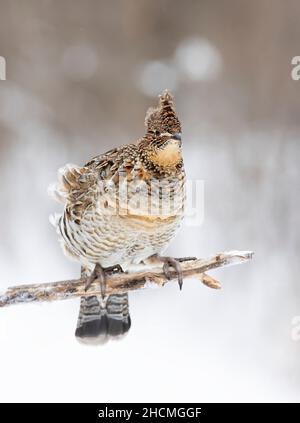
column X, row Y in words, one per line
column 162, row 142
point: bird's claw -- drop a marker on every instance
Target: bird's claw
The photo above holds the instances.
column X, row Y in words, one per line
column 171, row 262
column 97, row 273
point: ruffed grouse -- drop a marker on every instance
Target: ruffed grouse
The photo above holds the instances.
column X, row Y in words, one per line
column 120, row 209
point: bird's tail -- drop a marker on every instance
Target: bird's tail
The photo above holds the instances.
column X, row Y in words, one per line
column 102, row 319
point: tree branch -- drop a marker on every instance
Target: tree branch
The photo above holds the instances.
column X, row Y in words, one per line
column 144, row 277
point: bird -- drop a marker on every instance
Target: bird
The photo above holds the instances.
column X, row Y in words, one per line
column 121, row 209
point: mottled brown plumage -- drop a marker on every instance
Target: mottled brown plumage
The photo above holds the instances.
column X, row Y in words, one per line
column 125, row 205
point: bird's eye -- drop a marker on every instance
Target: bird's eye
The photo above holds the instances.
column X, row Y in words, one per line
column 157, row 133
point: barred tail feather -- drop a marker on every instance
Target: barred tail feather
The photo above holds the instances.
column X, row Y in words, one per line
column 102, row 319
column 118, row 318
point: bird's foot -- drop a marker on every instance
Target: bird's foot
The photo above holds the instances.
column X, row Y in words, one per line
column 171, row 262
column 99, row 273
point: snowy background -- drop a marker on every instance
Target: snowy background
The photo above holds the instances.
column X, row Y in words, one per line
column 80, row 76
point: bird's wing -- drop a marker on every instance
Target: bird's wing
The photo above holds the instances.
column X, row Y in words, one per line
column 113, row 161
column 77, row 187
column 73, row 183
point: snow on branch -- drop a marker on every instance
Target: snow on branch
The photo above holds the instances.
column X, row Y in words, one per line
column 144, row 277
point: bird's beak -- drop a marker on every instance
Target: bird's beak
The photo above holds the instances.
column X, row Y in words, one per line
column 177, row 137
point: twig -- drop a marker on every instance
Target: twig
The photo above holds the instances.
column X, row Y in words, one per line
column 122, row 282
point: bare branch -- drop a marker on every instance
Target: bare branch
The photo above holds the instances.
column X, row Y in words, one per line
column 144, row 277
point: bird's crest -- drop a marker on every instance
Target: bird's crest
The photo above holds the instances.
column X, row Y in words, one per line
column 163, row 118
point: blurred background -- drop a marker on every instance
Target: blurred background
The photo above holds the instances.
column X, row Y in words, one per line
column 80, row 76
